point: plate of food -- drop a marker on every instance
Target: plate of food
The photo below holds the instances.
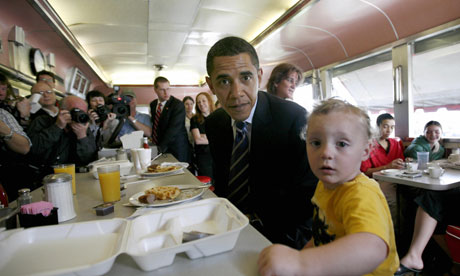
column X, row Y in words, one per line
column 390, row 171
column 161, row 196
column 165, row 168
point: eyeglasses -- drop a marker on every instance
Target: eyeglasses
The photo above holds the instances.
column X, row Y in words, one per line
column 48, row 92
column 47, row 80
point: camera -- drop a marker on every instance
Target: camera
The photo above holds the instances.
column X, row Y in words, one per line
column 79, row 116
column 102, row 111
column 120, row 105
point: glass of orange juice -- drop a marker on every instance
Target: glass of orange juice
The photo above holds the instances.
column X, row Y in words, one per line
column 70, row 169
column 109, row 179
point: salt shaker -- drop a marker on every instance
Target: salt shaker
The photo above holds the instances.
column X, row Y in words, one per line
column 121, row 154
column 24, row 197
column 58, row 190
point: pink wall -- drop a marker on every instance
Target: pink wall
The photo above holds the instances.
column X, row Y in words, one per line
column 145, row 93
column 40, row 35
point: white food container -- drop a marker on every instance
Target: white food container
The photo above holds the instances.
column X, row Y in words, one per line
column 152, row 240
column 125, row 167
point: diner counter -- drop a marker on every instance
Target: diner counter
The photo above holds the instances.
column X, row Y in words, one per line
column 242, row 260
column 449, row 180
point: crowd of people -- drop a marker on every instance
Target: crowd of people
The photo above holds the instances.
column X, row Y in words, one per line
column 249, row 142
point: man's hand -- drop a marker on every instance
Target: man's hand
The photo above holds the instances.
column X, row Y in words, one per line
column 79, row 129
column 110, row 117
column 93, row 116
column 63, row 119
column 23, row 108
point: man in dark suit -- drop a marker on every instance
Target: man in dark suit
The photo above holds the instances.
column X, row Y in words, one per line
column 280, row 183
column 168, row 122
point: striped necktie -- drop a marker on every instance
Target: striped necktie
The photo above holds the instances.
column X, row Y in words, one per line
column 238, row 184
column 155, row 125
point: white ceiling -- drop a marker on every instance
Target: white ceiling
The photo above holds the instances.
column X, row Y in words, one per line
column 127, row 38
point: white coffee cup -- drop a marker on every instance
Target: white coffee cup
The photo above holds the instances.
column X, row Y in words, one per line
column 412, row 166
column 455, row 157
column 435, row 172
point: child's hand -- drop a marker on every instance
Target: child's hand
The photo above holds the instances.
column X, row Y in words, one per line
column 278, row 260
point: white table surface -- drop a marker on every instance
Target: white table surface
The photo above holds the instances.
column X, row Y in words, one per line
column 242, row 260
column 449, row 180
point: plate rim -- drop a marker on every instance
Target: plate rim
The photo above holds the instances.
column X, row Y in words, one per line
column 161, row 173
column 390, row 171
column 133, row 199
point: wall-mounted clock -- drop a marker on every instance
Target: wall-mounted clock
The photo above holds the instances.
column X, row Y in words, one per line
column 37, row 60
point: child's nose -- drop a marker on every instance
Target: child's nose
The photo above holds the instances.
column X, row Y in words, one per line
column 326, row 152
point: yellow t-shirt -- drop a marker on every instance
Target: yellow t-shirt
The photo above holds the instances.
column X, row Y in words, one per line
column 355, row 207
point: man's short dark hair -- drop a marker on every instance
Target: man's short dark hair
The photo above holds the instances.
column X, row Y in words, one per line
column 230, row 46
column 383, row 117
column 44, row 72
column 159, row 79
column 93, row 94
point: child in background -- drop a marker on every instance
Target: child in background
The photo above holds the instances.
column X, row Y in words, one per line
column 352, row 227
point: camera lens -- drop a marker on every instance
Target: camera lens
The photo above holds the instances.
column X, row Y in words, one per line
column 102, row 111
column 79, row 116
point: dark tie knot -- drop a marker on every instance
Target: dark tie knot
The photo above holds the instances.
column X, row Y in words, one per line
column 240, row 126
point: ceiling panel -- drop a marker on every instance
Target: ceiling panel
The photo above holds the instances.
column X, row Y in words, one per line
column 179, row 33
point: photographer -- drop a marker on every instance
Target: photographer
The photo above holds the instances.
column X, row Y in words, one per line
column 135, row 120
column 65, row 138
column 17, row 106
column 103, row 122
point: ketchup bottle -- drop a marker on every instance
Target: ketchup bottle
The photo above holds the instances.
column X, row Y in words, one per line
column 146, row 143
column 3, row 197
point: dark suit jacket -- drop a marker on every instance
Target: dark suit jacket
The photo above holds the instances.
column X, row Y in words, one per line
column 281, row 181
column 172, row 136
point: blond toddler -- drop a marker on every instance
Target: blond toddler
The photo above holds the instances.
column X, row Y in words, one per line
column 352, row 228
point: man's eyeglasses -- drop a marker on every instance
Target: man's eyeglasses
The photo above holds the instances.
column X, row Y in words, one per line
column 47, row 80
column 48, row 92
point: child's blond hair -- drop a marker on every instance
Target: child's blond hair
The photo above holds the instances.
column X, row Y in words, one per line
column 335, row 105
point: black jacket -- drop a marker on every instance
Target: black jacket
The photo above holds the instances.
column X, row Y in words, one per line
column 172, row 136
column 281, row 181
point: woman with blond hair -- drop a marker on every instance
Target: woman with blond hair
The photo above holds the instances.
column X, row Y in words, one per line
column 203, row 160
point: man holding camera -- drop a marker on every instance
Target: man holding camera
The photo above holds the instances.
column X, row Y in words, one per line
column 65, row 138
column 135, row 121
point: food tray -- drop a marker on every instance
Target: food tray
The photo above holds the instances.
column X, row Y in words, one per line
column 125, row 167
column 152, row 240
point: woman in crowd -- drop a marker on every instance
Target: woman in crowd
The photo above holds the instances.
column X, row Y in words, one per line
column 283, row 80
column 429, row 142
column 204, row 107
column 188, row 104
column 103, row 122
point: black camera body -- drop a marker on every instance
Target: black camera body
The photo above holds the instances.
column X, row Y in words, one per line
column 102, row 112
column 120, row 105
column 79, row 116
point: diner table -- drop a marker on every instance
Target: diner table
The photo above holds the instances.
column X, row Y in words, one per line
column 406, row 214
column 242, row 260
column 449, row 180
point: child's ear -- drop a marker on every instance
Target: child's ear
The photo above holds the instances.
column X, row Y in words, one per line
column 367, row 151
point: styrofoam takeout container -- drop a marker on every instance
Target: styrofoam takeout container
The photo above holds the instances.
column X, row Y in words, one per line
column 125, row 167
column 152, row 240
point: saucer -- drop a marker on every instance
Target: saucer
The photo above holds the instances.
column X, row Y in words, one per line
column 412, row 172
